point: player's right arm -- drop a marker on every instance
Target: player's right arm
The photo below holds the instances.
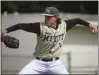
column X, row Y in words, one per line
column 29, row 27
column 72, row 22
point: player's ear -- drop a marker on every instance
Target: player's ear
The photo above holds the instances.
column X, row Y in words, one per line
column 57, row 16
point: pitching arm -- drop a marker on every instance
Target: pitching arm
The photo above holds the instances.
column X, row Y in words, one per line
column 72, row 22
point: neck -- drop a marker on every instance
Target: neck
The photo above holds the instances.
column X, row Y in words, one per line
column 54, row 25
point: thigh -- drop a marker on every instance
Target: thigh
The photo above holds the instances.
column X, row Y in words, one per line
column 34, row 67
column 58, row 68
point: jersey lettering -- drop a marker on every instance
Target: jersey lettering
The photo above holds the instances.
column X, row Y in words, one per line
column 50, row 38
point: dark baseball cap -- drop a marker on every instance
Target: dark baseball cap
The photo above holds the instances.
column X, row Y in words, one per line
column 51, row 11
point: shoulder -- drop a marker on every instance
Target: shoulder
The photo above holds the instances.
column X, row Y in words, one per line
column 43, row 24
column 63, row 21
column 36, row 23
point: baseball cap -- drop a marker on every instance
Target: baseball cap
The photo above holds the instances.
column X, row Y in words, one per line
column 51, row 11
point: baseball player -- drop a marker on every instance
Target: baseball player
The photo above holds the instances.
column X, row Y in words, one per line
column 50, row 37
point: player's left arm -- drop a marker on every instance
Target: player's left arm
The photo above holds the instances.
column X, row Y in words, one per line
column 72, row 22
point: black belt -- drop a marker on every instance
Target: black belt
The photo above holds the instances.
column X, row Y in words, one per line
column 47, row 59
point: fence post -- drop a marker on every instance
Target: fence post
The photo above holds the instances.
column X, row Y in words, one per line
column 69, row 62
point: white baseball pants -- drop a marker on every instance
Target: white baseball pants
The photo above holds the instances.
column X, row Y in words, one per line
column 40, row 67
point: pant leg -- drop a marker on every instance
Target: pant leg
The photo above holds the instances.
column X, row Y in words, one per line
column 34, row 67
column 56, row 67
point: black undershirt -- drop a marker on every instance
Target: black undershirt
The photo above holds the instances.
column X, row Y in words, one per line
column 35, row 27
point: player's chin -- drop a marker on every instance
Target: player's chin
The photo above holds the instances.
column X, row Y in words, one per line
column 48, row 24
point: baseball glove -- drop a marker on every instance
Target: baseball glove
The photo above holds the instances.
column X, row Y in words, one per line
column 11, row 42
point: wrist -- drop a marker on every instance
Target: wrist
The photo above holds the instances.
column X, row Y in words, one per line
column 90, row 26
column 5, row 31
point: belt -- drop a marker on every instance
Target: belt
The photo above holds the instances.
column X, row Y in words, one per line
column 47, row 59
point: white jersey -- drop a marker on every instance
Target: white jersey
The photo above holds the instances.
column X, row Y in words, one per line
column 50, row 40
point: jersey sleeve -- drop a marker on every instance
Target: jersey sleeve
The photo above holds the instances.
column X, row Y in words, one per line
column 72, row 22
column 29, row 27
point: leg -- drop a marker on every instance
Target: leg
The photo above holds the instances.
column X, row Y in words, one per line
column 34, row 67
column 57, row 67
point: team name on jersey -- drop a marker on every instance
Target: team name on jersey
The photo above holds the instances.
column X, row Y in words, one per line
column 50, row 38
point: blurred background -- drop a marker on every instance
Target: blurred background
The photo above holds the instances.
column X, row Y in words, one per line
column 79, row 53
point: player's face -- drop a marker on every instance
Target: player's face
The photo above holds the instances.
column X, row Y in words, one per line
column 50, row 20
